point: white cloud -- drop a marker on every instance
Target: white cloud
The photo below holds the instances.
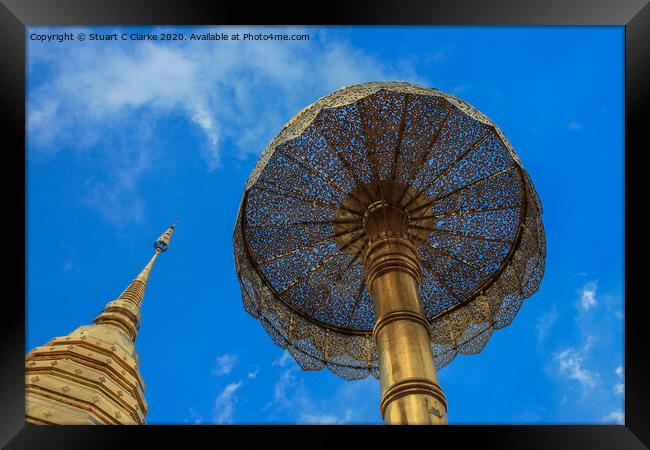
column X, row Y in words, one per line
column 532, row 414
column 326, row 419
column 460, row 89
column 282, row 387
column 203, row 119
column 68, row 263
column 323, row 419
column 253, row 374
column 91, row 92
column 619, row 388
column 223, row 89
column 588, row 296
column 545, row 322
column 224, row 364
column 236, row 95
column 574, row 126
column 224, row 407
column 109, row 197
column 438, row 56
column 571, row 364
column 195, row 418
column 283, row 360
column 347, row 403
column 592, row 348
column 108, row 200
column 616, row 416
column 226, row 402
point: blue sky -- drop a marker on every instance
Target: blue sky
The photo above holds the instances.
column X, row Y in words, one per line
column 125, row 136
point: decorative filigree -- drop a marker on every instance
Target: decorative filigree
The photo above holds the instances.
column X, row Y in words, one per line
column 472, row 210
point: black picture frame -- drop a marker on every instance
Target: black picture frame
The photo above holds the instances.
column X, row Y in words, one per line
column 16, row 15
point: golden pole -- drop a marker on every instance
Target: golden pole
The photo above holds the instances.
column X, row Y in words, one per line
column 410, row 393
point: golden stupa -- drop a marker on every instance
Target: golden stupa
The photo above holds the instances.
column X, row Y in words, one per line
column 91, row 376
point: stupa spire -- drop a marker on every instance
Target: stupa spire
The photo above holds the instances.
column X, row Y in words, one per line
column 124, row 313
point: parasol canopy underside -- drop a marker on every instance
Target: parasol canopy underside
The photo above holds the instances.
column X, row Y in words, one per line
column 472, row 211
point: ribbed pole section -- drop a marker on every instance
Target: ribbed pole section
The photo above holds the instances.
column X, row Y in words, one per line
column 410, row 393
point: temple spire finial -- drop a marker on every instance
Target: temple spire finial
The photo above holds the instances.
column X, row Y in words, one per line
column 162, row 242
column 124, row 313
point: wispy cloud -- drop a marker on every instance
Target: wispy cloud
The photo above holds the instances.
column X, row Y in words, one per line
column 108, row 196
column 348, row 403
column 532, row 414
column 460, row 89
column 224, row 406
column 619, row 388
column 68, row 263
column 253, row 374
column 294, row 400
column 545, row 323
column 440, row 55
column 617, row 416
column 574, row 126
column 590, row 349
column 326, row 419
column 194, row 418
column 236, row 95
column 571, row 365
column 283, row 386
column 588, row 296
column 201, row 116
column 212, row 86
column 226, row 402
column 224, row 364
column 283, row 359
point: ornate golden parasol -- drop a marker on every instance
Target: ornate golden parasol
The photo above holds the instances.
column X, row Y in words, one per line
column 387, row 228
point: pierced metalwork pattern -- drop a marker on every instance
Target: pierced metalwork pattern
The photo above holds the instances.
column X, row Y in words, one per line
column 473, row 215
